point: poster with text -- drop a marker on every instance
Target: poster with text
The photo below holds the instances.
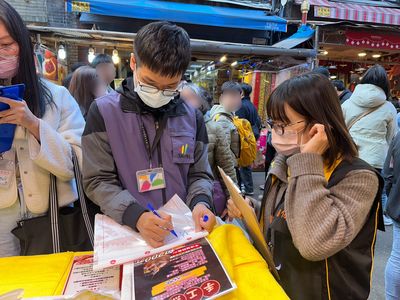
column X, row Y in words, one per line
column 189, row 272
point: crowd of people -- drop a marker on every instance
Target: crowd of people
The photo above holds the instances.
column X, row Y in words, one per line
column 324, row 191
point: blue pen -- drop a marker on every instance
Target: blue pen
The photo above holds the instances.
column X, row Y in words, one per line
column 149, row 206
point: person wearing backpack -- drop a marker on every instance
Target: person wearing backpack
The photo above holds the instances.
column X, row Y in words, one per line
column 230, row 101
column 238, row 131
column 371, row 119
column 249, row 112
column 322, row 204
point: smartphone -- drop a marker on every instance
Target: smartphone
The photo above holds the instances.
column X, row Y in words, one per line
column 7, row 131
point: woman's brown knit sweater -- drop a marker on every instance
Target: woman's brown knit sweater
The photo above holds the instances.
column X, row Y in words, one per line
column 321, row 221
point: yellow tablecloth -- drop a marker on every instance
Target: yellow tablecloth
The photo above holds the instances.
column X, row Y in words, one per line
column 45, row 275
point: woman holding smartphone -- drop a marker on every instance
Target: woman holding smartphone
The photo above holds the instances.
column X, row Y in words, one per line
column 49, row 124
column 321, row 203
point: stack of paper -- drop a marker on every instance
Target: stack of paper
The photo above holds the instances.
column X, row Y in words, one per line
column 115, row 244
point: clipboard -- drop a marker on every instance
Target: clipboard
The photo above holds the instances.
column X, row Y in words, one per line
column 251, row 222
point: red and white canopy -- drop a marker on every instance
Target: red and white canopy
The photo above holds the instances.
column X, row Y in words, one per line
column 355, row 12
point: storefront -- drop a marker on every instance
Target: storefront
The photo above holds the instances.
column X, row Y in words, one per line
column 212, row 62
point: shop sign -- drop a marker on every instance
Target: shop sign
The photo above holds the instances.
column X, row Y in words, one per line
column 80, row 6
column 323, row 11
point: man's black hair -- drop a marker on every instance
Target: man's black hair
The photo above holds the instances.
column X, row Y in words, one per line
column 230, row 86
column 247, row 89
column 101, row 59
column 339, row 84
column 322, row 70
column 164, row 48
column 376, row 75
column 206, row 96
column 77, row 65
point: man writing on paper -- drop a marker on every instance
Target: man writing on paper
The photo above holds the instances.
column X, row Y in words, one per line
column 143, row 144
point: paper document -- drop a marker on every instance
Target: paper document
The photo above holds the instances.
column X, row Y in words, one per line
column 115, row 244
column 82, row 277
column 250, row 220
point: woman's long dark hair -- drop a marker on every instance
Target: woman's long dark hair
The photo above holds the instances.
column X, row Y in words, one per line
column 37, row 95
column 82, row 87
column 314, row 97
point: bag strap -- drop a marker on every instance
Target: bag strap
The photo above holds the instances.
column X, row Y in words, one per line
column 364, row 114
column 82, row 198
column 54, row 214
column 217, row 116
column 54, row 209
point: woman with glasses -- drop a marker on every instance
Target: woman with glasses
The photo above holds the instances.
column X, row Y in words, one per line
column 49, row 124
column 321, row 204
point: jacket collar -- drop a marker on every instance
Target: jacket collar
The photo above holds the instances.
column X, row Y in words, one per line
column 279, row 168
column 130, row 102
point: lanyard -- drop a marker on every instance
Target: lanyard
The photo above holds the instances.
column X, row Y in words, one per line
column 159, row 131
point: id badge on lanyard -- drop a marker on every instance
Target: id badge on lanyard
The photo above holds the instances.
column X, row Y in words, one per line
column 153, row 178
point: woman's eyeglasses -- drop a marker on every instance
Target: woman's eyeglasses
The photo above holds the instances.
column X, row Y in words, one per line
column 280, row 128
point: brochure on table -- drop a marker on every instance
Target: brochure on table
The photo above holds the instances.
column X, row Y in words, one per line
column 82, row 277
column 190, row 271
column 115, row 244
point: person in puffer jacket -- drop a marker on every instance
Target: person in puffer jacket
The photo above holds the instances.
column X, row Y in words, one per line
column 230, row 101
column 374, row 132
column 219, row 154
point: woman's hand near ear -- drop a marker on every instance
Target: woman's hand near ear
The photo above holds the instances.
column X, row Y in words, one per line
column 318, row 142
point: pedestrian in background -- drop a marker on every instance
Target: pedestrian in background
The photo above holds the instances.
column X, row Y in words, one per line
column 391, row 173
column 67, row 79
column 249, row 112
column 343, row 93
column 320, row 203
column 230, row 101
column 219, row 154
column 85, row 87
column 371, row 119
column 322, row 71
column 105, row 68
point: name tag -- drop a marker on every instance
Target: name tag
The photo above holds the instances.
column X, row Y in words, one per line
column 150, row 180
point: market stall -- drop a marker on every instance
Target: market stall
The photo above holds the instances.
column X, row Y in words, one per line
column 51, row 275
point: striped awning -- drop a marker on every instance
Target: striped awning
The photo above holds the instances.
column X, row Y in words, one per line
column 355, row 12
